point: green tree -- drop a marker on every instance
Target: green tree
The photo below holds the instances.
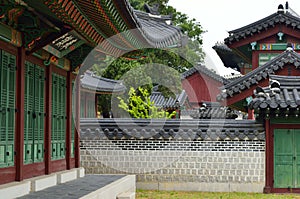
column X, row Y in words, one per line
column 190, row 27
column 181, row 59
column 190, row 55
column 138, row 105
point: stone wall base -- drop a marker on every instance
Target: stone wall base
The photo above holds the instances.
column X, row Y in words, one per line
column 204, row 187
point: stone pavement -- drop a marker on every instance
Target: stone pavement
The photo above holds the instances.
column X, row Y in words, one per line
column 74, row 189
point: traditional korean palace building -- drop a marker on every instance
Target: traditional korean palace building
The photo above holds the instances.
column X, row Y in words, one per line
column 266, row 52
column 202, row 85
column 277, row 106
column 250, row 48
column 42, row 45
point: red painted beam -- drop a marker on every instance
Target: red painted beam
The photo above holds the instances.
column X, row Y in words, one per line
column 256, row 37
column 58, row 165
column 20, row 105
column 7, row 175
column 262, row 35
column 33, row 170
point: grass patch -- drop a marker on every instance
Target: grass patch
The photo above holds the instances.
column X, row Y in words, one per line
column 148, row 194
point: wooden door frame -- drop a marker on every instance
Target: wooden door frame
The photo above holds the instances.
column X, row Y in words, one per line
column 269, row 158
column 9, row 174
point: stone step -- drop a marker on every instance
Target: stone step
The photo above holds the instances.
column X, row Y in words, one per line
column 18, row 189
column 89, row 186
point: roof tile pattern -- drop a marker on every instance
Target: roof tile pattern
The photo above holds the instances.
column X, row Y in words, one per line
column 206, row 130
column 228, row 57
column 264, row 24
column 254, row 77
column 286, row 97
column 99, row 84
column 204, row 70
column 157, row 31
column 161, row 101
column 213, row 110
column 100, row 19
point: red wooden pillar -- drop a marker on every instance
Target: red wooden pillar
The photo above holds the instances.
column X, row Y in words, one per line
column 48, row 120
column 77, row 123
column 69, row 119
column 255, row 59
column 96, row 105
column 20, row 96
column 268, row 156
column 250, row 114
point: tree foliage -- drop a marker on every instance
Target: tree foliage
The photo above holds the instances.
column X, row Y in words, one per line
column 180, row 59
column 138, row 105
column 190, row 27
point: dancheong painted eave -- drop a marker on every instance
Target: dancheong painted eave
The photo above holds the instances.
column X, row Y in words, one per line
column 98, row 20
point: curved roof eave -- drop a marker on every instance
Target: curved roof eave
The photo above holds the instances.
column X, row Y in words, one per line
column 263, row 24
column 99, row 20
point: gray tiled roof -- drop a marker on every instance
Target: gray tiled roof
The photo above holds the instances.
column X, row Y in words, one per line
column 214, row 110
column 286, row 97
column 161, row 101
column 160, row 129
column 96, row 83
column 204, row 70
column 228, row 57
column 264, row 24
column 233, row 77
column 254, row 77
column 157, row 31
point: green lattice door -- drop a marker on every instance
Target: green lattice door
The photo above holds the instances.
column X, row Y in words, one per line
column 286, row 158
column 7, row 108
column 34, row 113
column 58, row 134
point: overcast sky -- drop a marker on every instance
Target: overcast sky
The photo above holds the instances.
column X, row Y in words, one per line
column 219, row 16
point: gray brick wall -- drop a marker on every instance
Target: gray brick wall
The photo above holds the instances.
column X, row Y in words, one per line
column 228, row 162
column 168, row 161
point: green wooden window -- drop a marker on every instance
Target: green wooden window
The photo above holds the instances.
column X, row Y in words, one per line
column 58, row 134
column 34, row 113
column 7, row 108
column 265, row 57
column 286, row 158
